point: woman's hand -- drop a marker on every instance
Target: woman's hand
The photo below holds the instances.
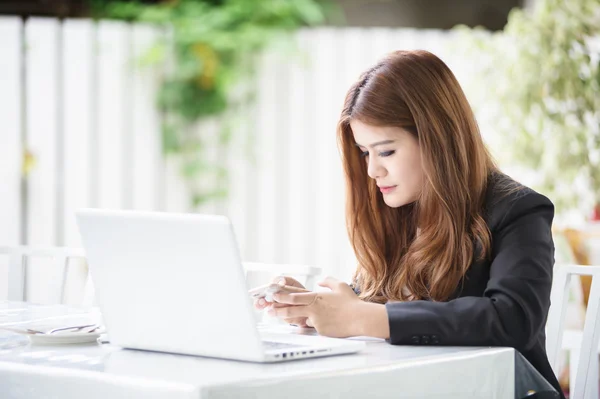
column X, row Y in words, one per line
column 262, row 303
column 335, row 314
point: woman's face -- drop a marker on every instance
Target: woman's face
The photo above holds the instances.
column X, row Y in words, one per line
column 393, row 159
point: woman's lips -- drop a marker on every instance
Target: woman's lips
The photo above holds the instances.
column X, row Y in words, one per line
column 387, row 189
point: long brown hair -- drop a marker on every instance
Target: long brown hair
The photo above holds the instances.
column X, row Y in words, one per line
column 416, row 91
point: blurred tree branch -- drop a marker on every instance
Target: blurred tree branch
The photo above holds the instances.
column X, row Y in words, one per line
column 542, row 79
column 213, row 47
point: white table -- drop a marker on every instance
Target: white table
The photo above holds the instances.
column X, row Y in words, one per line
column 105, row 371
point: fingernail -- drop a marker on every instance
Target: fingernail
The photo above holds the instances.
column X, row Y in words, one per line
column 261, row 301
column 281, row 281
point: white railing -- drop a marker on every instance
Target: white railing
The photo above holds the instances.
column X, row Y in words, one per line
column 70, row 94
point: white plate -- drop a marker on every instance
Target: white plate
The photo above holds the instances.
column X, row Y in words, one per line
column 65, row 338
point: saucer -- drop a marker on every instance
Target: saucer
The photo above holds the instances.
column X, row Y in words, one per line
column 65, row 338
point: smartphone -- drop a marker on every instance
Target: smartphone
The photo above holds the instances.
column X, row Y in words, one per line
column 266, row 291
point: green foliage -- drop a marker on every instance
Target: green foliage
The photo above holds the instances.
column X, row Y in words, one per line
column 543, row 77
column 211, row 47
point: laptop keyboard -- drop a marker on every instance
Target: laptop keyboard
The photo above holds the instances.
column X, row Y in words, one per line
column 279, row 345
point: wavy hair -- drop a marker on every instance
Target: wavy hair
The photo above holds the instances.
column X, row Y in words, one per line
column 416, row 91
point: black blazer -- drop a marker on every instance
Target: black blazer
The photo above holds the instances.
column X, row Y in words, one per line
column 502, row 301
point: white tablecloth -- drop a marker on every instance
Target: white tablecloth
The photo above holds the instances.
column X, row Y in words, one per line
column 380, row 371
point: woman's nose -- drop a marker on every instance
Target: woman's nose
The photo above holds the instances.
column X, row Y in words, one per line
column 375, row 170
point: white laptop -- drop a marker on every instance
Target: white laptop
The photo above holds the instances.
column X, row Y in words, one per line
column 175, row 283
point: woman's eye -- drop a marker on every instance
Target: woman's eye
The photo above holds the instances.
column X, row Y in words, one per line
column 364, row 154
column 386, row 153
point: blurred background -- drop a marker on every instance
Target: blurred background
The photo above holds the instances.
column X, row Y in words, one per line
column 230, row 107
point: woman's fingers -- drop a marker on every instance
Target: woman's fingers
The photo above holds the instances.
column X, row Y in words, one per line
column 279, row 305
column 266, row 304
column 283, row 280
column 295, row 299
column 297, row 321
column 262, row 303
column 288, row 312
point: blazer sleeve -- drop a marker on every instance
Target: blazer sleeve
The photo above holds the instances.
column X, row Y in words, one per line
column 515, row 303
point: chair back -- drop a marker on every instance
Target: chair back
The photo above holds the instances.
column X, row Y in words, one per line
column 582, row 387
column 19, row 257
column 261, row 273
column 60, row 259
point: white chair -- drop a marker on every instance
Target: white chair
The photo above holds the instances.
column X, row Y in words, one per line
column 20, row 256
column 584, row 357
column 261, row 273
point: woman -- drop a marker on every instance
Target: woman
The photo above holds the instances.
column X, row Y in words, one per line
column 450, row 251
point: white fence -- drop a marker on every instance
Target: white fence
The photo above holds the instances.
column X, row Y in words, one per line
column 71, row 95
